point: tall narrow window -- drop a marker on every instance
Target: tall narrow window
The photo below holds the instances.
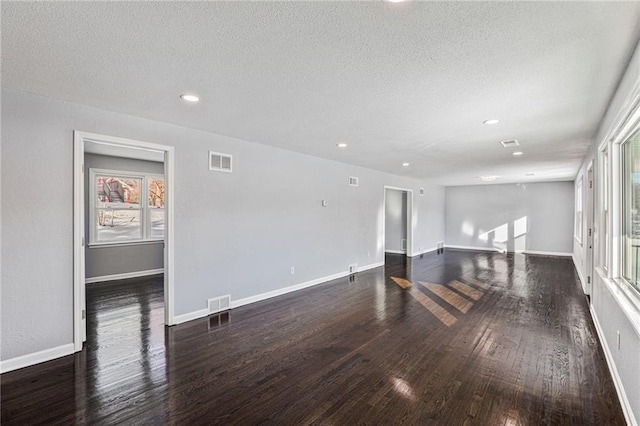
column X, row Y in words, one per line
column 126, row 207
column 605, row 211
column 631, row 210
column 578, row 209
column 155, row 189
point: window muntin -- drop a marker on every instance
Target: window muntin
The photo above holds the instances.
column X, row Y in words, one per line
column 631, row 210
column 126, row 207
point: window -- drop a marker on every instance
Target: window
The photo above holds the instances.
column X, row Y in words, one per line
column 631, row 209
column 605, row 211
column 577, row 232
column 125, row 207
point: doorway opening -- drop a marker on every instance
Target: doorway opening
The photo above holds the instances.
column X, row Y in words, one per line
column 123, row 223
column 398, row 222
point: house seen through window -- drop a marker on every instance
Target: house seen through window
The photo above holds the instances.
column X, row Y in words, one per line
column 127, row 207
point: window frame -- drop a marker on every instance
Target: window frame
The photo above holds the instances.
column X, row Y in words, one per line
column 624, row 194
column 143, row 206
column 578, row 210
column 623, row 133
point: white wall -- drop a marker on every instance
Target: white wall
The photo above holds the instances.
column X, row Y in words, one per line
column 102, row 261
column 235, row 233
column 613, row 311
column 531, row 217
column 395, row 213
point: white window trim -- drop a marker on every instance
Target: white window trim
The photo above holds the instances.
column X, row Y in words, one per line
column 627, row 295
column 143, row 207
column 577, row 227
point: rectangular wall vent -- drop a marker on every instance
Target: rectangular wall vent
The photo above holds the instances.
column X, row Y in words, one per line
column 404, row 244
column 421, row 191
column 219, row 304
column 220, row 162
column 353, row 181
column 353, row 268
column 509, row 144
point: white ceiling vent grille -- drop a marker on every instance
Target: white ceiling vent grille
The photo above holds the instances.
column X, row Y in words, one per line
column 509, row 144
column 218, row 304
column 220, row 162
column 353, row 181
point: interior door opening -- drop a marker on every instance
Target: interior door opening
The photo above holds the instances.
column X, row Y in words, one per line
column 398, row 232
column 123, row 225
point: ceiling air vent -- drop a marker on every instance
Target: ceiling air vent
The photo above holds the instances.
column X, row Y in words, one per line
column 220, row 162
column 353, row 181
column 509, row 144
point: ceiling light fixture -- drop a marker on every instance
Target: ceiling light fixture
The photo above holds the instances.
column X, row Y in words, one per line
column 189, row 98
column 492, row 121
column 405, row 164
column 341, row 145
column 529, row 174
column 488, row 178
column 518, row 153
column 395, row 1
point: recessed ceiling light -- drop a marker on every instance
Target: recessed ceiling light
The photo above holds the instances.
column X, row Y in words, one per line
column 492, row 121
column 341, row 145
column 405, row 164
column 395, row 1
column 488, row 178
column 518, row 153
column 189, row 98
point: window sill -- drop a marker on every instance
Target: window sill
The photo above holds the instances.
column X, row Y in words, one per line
column 128, row 243
column 627, row 298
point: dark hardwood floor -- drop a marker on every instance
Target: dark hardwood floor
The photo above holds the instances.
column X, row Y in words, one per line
column 450, row 339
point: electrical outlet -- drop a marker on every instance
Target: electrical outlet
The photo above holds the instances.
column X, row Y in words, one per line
column 293, row 270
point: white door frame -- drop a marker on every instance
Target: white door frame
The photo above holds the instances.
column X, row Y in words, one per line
column 79, row 323
column 589, row 228
column 409, row 219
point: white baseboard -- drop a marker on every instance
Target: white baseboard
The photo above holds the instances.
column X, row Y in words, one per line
column 425, row 251
column 36, row 358
column 124, row 276
column 268, row 295
column 549, row 253
column 179, row 319
column 582, row 282
column 296, row 287
column 622, row 396
column 395, row 251
column 473, row 248
column 542, row 253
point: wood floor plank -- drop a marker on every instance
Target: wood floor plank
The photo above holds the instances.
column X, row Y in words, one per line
column 489, row 339
column 448, row 296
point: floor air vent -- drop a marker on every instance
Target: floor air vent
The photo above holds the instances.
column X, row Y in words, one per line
column 219, row 304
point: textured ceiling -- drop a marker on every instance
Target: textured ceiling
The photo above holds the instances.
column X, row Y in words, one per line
column 397, row 82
